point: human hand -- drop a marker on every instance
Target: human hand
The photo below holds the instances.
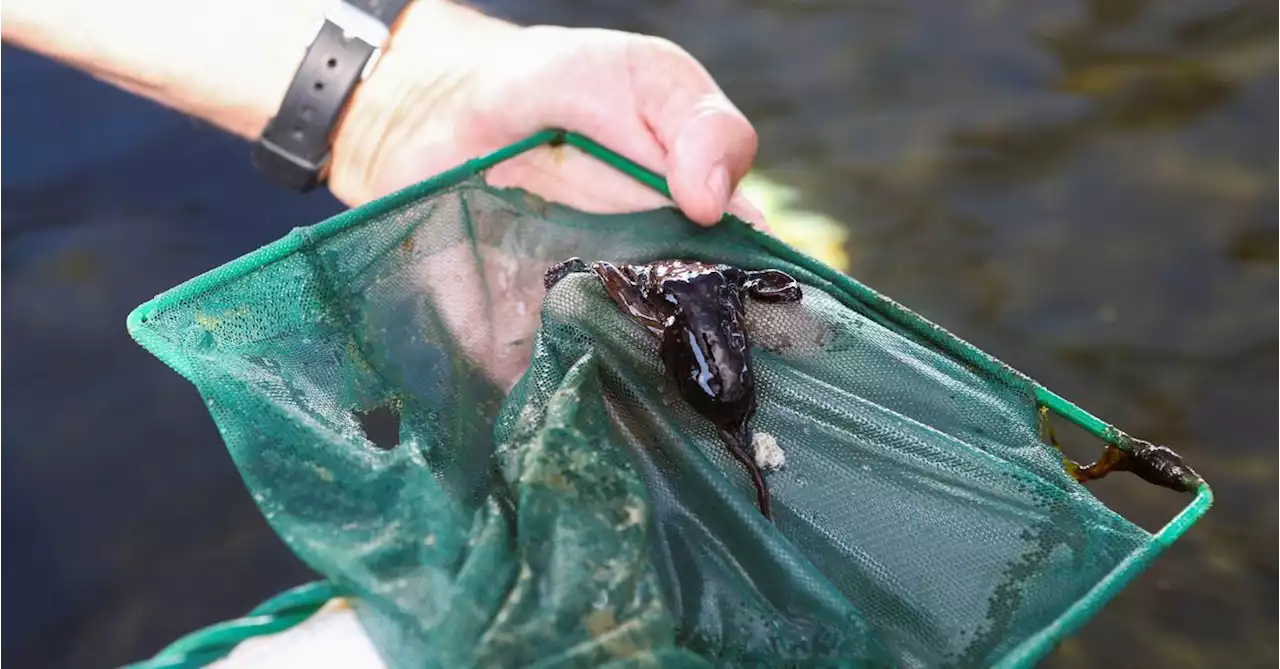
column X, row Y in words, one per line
column 441, row 96
column 455, row 85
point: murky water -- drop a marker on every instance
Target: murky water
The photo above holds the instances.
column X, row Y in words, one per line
column 1085, row 190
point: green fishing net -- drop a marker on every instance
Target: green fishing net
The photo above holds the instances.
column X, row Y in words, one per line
column 585, row 516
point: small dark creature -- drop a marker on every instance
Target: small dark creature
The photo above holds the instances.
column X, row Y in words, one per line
column 1152, row 463
column 695, row 310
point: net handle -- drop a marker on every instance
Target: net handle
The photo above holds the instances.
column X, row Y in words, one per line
column 210, row 644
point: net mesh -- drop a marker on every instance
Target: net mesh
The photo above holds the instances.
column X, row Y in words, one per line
column 552, row 501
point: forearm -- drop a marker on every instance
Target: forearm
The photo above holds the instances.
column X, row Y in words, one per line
column 227, row 62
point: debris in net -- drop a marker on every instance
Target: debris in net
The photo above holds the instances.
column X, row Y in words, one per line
column 768, row 453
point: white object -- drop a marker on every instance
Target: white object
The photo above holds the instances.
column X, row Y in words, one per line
column 768, row 453
column 333, row 637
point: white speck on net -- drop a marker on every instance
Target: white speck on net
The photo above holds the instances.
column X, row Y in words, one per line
column 768, row 453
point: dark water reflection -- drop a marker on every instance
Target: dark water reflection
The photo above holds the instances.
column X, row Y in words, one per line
column 1085, row 189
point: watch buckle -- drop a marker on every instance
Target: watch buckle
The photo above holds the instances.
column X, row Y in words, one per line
column 356, row 23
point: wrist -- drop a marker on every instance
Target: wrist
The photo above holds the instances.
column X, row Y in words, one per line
column 422, row 74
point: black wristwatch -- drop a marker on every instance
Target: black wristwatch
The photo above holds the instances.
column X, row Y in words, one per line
column 294, row 147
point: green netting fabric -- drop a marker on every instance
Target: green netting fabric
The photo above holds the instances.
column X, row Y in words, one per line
column 585, row 516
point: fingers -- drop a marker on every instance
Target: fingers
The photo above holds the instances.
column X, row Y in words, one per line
column 709, row 144
column 741, row 207
column 711, row 151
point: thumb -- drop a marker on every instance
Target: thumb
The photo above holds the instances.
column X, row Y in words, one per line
column 710, row 145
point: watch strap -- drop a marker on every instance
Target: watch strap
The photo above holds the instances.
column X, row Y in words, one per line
column 294, row 148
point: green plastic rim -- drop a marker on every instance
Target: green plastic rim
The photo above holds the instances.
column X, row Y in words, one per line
column 292, row 607
column 212, row 643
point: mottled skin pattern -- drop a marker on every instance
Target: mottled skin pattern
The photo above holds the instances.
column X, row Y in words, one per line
column 695, row 310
